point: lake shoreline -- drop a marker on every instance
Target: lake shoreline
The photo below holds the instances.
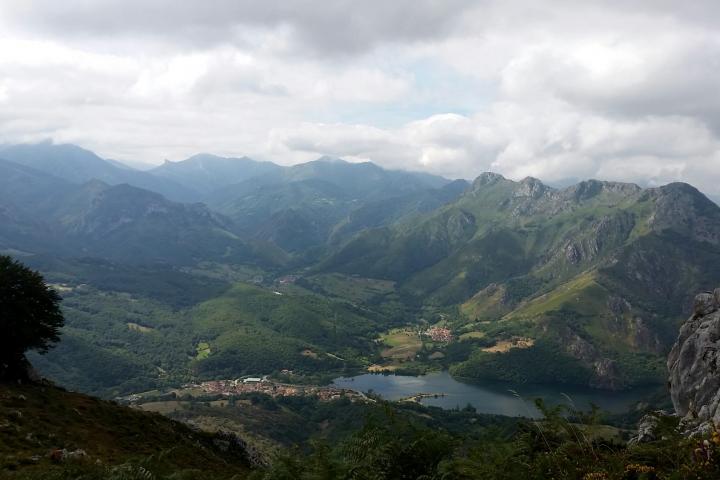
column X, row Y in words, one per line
column 442, row 390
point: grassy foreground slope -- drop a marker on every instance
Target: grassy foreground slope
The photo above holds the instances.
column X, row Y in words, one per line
column 104, row 441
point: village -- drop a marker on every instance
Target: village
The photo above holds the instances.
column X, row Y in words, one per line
column 439, row 334
column 274, row 389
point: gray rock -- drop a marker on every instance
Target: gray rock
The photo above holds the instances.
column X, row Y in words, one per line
column 530, row 187
column 57, row 455
column 75, row 454
column 605, row 371
column 648, row 428
column 705, row 304
column 694, row 364
column 698, row 430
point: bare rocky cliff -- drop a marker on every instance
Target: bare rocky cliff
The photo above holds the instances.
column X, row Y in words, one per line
column 694, row 365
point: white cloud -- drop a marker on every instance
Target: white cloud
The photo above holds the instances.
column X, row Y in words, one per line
column 563, row 89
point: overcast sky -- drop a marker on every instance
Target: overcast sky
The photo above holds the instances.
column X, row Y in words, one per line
column 616, row 89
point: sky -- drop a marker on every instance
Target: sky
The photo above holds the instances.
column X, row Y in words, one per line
column 624, row 90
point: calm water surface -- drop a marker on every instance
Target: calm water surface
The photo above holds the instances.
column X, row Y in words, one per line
column 491, row 397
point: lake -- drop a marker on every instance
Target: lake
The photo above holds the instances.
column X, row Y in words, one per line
column 491, row 397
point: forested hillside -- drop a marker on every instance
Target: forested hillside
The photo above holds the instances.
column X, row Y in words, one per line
column 582, row 285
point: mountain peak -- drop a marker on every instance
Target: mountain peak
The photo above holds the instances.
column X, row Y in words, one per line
column 677, row 191
column 487, row 178
column 330, row 159
column 531, row 187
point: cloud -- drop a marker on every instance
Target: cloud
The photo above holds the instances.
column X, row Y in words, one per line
column 623, row 90
column 552, row 142
column 341, row 26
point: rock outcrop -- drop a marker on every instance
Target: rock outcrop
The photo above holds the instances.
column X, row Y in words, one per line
column 648, row 427
column 694, row 365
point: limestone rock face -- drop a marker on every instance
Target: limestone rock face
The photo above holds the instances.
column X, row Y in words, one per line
column 694, row 363
column 648, row 427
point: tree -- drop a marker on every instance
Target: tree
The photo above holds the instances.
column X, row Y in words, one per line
column 30, row 317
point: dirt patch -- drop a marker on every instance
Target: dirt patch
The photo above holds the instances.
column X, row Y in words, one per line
column 136, row 327
column 504, row 346
column 309, row 353
column 382, row 368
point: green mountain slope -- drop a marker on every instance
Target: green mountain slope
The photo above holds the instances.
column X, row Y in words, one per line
column 131, row 329
column 134, row 225
column 254, row 330
column 300, row 207
column 595, row 274
column 46, row 214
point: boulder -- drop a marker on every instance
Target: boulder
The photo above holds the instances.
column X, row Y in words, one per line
column 57, row 455
column 705, row 304
column 648, row 427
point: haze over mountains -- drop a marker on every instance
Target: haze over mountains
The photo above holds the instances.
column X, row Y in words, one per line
column 295, row 207
column 584, row 284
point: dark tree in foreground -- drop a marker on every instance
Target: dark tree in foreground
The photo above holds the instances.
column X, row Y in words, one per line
column 30, row 317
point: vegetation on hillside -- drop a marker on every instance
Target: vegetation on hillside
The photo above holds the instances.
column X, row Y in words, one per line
column 49, row 433
column 148, row 333
column 30, row 317
column 565, row 444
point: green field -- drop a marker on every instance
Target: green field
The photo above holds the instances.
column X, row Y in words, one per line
column 403, row 344
column 203, row 351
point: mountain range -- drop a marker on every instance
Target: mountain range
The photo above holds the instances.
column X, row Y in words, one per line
column 583, row 284
column 598, row 271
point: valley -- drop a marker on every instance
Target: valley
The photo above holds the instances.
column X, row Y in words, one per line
column 385, row 240
column 463, row 309
column 407, row 273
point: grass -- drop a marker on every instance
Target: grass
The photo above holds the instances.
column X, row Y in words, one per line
column 404, row 345
column 569, row 293
column 164, row 408
column 203, row 351
column 485, row 304
column 36, row 419
column 471, row 335
column 356, row 289
column 504, row 346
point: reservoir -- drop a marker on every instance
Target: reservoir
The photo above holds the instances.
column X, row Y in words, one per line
column 492, row 397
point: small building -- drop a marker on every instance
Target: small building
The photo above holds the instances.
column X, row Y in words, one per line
column 252, row 380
